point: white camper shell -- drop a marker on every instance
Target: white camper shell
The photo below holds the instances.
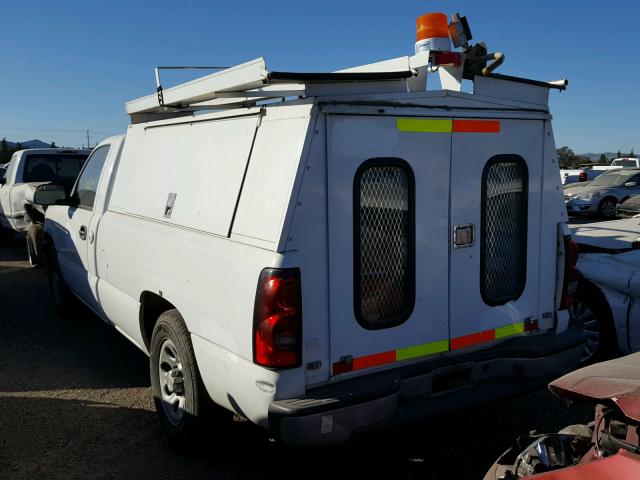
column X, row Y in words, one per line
column 342, row 250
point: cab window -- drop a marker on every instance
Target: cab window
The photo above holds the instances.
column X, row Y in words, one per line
column 87, row 184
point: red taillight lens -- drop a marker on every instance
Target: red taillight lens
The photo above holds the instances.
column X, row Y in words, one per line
column 571, row 273
column 277, row 319
column 582, row 177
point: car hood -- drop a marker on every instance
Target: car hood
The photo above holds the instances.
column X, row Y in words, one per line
column 614, row 382
column 581, row 189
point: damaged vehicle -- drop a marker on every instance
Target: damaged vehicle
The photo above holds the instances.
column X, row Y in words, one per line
column 630, row 208
column 606, row 448
column 607, row 302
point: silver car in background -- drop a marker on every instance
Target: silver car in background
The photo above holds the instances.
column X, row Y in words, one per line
column 600, row 196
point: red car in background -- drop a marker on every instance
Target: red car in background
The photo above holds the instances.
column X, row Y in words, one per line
column 607, row 448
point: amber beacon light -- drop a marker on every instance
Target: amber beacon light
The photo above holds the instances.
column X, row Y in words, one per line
column 432, row 33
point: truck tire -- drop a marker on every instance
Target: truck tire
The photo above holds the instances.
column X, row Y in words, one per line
column 34, row 244
column 607, row 208
column 179, row 395
column 63, row 299
column 590, row 313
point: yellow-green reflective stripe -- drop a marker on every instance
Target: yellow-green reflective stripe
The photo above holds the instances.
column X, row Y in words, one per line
column 422, row 350
column 509, row 330
column 424, row 125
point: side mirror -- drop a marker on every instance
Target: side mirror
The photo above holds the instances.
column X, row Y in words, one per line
column 630, row 184
column 49, row 194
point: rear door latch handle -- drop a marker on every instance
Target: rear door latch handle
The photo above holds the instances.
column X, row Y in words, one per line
column 464, row 235
column 83, row 232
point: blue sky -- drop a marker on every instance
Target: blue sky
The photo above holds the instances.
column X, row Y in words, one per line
column 68, row 66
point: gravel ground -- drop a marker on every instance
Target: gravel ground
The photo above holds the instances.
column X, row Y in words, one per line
column 75, row 402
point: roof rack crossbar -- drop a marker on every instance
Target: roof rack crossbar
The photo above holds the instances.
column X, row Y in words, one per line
column 251, row 82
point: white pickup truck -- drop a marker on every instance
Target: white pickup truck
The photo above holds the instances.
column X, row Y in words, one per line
column 591, row 172
column 26, row 169
column 358, row 253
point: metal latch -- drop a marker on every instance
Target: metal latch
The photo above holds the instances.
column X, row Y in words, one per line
column 168, row 208
column 464, row 235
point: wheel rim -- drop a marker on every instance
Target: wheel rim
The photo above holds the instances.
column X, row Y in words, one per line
column 585, row 320
column 170, row 375
column 608, row 208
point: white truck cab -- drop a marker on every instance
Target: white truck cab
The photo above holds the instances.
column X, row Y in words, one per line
column 327, row 253
column 34, row 165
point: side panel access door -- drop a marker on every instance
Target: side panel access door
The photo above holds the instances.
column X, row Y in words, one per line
column 388, row 241
column 495, row 221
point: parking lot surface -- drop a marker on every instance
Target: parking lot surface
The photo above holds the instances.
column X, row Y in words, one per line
column 75, row 402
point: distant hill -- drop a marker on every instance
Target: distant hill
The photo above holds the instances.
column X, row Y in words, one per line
column 29, row 144
column 594, row 157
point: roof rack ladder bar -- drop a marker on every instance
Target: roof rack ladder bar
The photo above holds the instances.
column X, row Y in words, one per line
column 159, row 85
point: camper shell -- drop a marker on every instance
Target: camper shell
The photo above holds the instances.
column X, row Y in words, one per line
column 423, row 231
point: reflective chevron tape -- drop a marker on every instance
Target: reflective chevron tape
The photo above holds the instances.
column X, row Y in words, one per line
column 447, row 125
column 431, row 348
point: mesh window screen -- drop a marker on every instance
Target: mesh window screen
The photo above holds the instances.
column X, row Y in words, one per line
column 384, row 270
column 504, row 229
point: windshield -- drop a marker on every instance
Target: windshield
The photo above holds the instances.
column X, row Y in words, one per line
column 611, row 179
column 56, row 168
column 624, row 163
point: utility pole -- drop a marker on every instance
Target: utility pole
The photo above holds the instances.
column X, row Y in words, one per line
column 88, row 142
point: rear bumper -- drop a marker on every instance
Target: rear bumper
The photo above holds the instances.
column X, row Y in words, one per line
column 333, row 414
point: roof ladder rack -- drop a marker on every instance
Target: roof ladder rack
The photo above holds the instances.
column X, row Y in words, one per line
column 251, row 82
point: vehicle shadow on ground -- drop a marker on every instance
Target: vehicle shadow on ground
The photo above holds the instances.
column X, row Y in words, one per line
column 75, row 402
column 88, row 439
column 46, row 352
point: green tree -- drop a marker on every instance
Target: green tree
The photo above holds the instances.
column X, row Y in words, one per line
column 53, row 144
column 619, row 154
column 603, row 158
column 18, row 146
column 4, row 151
column 631, row 153
column 566, row 157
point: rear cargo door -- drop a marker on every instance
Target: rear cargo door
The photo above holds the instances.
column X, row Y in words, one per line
column 495, row 222
column 388, row 185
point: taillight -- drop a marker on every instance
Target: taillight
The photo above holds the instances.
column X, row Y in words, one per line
column 277, row 319
column 582, row 177
column 571, row 273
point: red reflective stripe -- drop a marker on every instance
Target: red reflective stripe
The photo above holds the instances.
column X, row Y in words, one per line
column 476, row 126
column 374, row 360
column 473, row 339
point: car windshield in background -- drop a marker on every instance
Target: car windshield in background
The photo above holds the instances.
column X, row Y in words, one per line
column 62, row 169
column 612, row 179
column 624, row 163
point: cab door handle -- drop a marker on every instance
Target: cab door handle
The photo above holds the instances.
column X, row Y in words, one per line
column 83, row 232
